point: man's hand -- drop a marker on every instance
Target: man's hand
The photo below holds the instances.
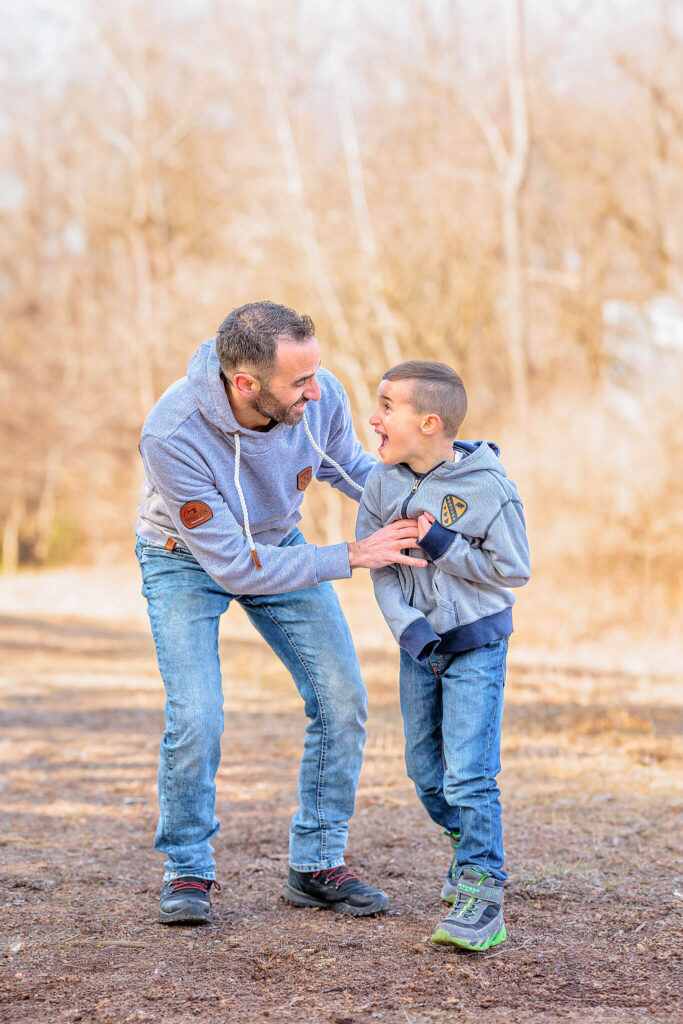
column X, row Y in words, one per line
column 424, row 523
column 385, row 546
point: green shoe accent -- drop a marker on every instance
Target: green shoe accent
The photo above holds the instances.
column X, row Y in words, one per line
column 449, row 889
column 443, row 938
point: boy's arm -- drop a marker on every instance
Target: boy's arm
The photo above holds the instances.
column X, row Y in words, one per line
column 408, row 625
column 500, row 559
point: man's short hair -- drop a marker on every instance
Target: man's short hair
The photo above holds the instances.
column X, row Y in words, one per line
column 437, row 388
column 248, row 336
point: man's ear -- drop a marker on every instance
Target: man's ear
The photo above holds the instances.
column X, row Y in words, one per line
column 245, row 385
column 430, row 424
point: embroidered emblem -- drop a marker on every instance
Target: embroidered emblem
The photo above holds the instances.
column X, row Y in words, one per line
column 451, row 509
column 194, row 513
column 304, row 478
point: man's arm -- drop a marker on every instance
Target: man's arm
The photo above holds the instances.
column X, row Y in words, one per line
column 344, row 447
column 219, row 545
column 501, row 558
column 408, row 625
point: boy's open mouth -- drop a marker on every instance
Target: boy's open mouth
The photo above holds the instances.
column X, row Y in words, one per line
column 382, row 439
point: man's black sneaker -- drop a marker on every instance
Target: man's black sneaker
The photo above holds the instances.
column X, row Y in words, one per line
column 334, row 889
column 186, row 900
column 449, row 890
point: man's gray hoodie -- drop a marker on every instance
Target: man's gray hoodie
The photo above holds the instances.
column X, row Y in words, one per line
column 230, row 495
column 477, row 549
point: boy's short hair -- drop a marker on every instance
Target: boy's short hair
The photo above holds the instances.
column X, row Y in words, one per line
column 436, row 388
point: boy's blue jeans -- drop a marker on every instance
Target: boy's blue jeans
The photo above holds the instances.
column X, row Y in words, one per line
column 307, row 630
column 452, row 714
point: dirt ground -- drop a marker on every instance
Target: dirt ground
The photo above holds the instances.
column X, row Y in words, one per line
column 593, row 905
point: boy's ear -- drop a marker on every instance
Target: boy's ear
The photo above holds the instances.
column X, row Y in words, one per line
column 430, row 424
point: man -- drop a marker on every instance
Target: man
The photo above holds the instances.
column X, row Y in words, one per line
column 228, row 452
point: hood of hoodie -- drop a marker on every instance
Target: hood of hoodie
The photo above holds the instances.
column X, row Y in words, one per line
column 204, row 376
column 476, row 456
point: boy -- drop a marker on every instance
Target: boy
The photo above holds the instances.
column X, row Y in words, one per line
column 452, row 620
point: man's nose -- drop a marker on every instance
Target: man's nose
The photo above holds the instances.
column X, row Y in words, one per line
column 312, row 391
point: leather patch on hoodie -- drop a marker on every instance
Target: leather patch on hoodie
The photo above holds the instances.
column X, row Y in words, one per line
column 304, row 478
column 194, row 513
column 452, row 508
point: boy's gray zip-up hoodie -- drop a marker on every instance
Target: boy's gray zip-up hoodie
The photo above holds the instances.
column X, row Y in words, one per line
column 230, row 495
column 477, row 549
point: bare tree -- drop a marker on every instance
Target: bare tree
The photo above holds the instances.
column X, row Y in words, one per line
column 512, row 164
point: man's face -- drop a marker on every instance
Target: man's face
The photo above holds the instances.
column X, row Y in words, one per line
column 292, row 384
column 397, row 423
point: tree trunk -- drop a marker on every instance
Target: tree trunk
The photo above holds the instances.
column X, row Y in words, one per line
column 10, row 537
column 513, row 181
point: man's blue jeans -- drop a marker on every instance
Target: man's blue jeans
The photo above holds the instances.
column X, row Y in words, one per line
column 307, row 630
column 452, row 714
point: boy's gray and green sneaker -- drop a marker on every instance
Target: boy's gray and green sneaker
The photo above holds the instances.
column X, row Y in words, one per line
column 476, row 919
column 449, row 891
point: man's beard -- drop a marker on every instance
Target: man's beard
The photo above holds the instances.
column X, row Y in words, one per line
column 266, row 404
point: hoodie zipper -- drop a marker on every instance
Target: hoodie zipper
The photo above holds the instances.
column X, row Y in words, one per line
column 416, row 483
column 404, row 509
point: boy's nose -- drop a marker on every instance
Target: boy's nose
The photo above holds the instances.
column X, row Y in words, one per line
column 374, row 419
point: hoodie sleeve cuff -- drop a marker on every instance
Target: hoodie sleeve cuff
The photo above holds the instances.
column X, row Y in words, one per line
column 419, row 640
column 332, row 562
column 436, row 541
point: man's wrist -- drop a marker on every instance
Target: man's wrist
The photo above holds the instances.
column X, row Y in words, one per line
column 353, row 554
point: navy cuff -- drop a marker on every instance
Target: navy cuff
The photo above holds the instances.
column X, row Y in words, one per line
column 436, row 541
column 419, row 640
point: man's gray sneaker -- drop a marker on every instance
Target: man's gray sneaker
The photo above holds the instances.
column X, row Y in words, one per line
column 450, row 886
column 334, row 889
column 476, row 918
column 186, row 900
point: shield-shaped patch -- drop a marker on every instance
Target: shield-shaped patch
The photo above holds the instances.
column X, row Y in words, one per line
column 452, row 508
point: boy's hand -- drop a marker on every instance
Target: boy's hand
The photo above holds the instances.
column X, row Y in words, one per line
column 424, row 524
column 385, row 546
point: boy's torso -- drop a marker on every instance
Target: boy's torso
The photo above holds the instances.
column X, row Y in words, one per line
column 464, row 497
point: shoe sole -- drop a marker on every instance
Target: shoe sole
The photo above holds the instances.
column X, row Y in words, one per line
column 443, row 938
column 300, row 899
column 182, row 917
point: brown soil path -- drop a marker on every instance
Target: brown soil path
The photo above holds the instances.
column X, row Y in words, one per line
column 592, row 905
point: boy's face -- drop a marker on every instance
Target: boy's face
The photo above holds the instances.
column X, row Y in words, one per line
column 397, row 423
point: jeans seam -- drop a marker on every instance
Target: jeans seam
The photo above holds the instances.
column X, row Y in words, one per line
column 486, row 775
column 323, row 745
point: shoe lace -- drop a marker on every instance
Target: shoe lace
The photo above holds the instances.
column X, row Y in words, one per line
column 467, row 905
column 200, row 884
column 338, row 875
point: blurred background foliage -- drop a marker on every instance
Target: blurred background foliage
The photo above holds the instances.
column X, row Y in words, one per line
column 496, row 185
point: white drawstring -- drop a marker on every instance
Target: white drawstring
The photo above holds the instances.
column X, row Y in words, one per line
column 328, row 458
column 240, row 492
column 245, row 513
